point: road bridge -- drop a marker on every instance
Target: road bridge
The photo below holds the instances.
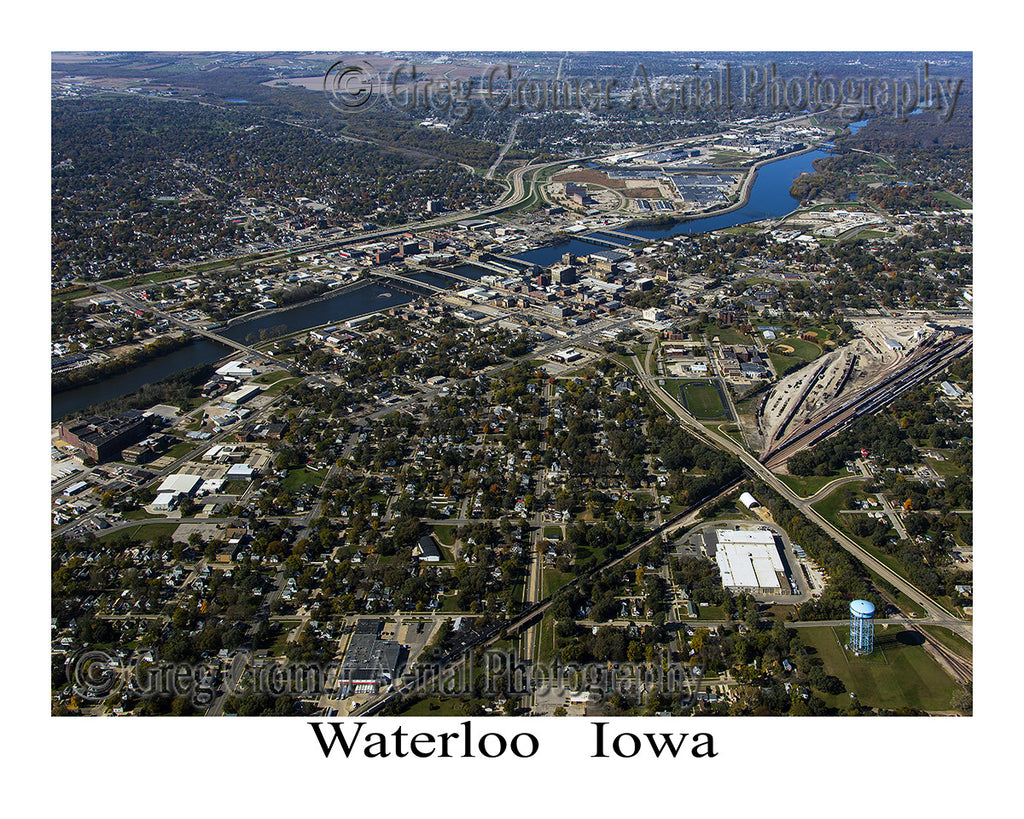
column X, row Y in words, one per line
column 629, row 238
column 135, row 304
column 397, row 277
column 440, row 271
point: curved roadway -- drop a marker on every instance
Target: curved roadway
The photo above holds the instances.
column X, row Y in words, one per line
column 935, row 613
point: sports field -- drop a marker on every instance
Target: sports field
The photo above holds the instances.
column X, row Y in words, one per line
column 702, row 398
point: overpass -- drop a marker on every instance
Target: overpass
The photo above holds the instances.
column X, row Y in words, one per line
column 497, row 267
column 512, row 262
column 935, row 612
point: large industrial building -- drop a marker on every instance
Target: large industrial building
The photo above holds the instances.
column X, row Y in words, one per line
column 102, row 439
column 748, row 560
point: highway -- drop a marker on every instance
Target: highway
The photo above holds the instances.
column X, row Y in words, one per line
column 935, row 613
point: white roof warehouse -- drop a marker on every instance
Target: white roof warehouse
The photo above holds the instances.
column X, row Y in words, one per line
column 749, row 560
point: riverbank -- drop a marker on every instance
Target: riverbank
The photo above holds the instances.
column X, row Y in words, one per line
column 337, row 291
column 746, row 186
column 95, row 373
column 361, row 298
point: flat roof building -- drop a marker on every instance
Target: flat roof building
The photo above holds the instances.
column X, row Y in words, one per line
column 749, row 561
column 370, row 662
column 103, row 438
column 427, row 550
column 180, row 484
column 241, row 395
column 237, row 368
column 566, row 355
column 164, row 502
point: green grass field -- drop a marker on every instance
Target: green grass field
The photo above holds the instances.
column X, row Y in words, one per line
column 805, row 350
column 301, row 477
column 700, row 397
column 727, row 335
column 945, row 468
column 73, row 293
column 179, row 450
column 546, row 640
column 809, row 484
column 280, row 386
column 554, row 580
column 271, row 378
column 723, row 158
column 899, row 673
column 445, row 534
column 873, row 234
column 953, row 199
column 733, row 432
column 954, row 642
column 144, row 531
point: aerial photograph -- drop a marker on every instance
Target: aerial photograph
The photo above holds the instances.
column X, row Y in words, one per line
column 593, row 384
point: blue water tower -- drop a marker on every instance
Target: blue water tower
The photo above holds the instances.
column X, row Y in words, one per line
column 862, row 627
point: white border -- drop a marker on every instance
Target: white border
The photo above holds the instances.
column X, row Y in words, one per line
column 159, row 766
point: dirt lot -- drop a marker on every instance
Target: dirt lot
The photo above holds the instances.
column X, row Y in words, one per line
column 591, row 176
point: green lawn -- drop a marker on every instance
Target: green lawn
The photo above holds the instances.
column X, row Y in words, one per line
column 445, row 534
column 72, row 294
column 727, row 335
column 804, row 350
column 554, row 580
column 179, row 450
column 280, row 386
column 945, row 468
column 954, row 642
column 270, row 378
column 899, row 673
column 711, row 612
column 152, row 278
column 873, row 234
column 545, row 639
column 830, row 505
column 953, row 199
column 809, row 484
column 729, row 158
column 625, row 361
column 301, row 477
column 140, row 514
column 733, row 432
column 553, row 532
column 144, row 531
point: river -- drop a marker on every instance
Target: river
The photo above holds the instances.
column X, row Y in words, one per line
column 338, row 308
column 769, row 198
